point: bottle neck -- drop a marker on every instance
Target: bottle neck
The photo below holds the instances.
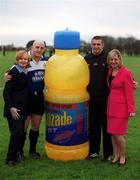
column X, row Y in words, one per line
column 67, row 52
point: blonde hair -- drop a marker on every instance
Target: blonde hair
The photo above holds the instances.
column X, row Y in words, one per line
column 111, row 54
column 20, row 55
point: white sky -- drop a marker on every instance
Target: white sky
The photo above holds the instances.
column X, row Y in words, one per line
column 24, row 20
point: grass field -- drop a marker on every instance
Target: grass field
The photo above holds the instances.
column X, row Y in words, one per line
column 83, row 170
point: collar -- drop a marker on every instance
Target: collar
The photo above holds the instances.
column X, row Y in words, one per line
column 20, row 69
column 35, row 62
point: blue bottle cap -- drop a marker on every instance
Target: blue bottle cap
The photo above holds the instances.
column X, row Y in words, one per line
column 67, row 40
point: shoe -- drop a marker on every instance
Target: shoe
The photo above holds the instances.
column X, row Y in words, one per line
column 34, row 155
column 20, row 157
column 121, row 164
column 94, row 155
column 108, row 158
column 114, row 162
column 10, row 162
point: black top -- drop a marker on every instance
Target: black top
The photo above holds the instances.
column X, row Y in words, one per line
column 110, row 79
column 15, row 93
column 98, row 74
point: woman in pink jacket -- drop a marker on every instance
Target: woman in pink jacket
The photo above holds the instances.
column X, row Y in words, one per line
column 120, row 104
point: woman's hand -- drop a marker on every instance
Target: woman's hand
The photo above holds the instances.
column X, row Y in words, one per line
column 132, row 114
column 7, row 77
column 14, row 112
column 135, row 84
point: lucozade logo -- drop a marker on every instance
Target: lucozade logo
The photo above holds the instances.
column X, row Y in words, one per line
column 62, row 119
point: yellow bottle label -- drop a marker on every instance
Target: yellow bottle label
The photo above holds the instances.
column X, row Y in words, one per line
column 67, row 124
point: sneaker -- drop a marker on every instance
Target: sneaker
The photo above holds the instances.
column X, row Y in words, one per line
column 10, row 162
column 34, row 155
column 94, row 155
column 109, row 158
column 20, row 157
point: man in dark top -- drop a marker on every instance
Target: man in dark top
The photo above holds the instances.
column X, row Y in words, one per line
column 35, row 84
column 98, row 91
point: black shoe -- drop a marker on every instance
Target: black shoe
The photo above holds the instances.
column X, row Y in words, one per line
column 10, row 162
column 34, row 155
column 20, row 157
column 114, row 162
column 121, row 164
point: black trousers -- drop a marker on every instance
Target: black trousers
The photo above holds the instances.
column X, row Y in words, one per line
column 16, row 128
column 98, row 126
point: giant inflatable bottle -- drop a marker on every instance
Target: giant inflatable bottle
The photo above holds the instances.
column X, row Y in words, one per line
column 66, row 99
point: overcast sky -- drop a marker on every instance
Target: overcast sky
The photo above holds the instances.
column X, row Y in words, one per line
column 24, row 20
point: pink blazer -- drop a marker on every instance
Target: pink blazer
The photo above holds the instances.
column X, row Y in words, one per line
column 121, row 96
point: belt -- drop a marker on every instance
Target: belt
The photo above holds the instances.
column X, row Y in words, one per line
column 36, row 92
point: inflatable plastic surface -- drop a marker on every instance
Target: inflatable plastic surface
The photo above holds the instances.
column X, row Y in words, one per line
column 66, row 99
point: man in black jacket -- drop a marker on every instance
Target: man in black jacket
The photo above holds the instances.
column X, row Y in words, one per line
column 98, row 91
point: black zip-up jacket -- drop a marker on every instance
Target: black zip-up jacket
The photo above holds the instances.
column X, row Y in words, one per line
column 98, row 74
column 15, row 93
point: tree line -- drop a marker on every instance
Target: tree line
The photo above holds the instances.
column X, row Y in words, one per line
column 129, row 46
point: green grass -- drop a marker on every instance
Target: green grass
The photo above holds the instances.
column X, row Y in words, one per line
column 83, row 170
